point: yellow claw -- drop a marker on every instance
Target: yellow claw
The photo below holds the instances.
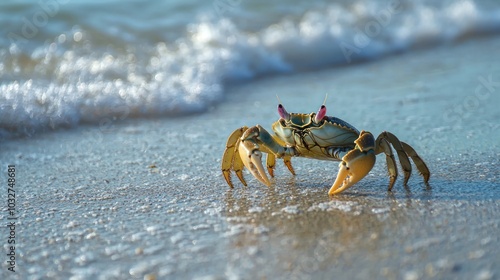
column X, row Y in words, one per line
column 252, row 159
column 354, row 167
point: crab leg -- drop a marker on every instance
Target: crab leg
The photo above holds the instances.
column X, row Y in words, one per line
column 271, row 163
column 231, row 157
column 403, row 158
column 421, row 166
column 288, row 162
column 383, row 146
column 355, row 164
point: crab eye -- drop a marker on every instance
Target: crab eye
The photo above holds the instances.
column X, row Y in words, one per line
column 321, row 114
column 283, row 113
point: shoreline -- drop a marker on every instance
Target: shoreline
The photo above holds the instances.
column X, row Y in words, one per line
column 6, row 134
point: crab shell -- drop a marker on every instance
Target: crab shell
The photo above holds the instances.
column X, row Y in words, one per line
column 311, row 139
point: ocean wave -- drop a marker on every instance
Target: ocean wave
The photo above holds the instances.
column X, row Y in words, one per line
column 72, row 79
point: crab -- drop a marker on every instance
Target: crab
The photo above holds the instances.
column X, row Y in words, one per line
column 321, row 137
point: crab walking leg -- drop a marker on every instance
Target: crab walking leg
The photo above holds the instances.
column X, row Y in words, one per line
column 419, row 162
column 403, row 158
column 288, row 162
column 228, row 158
column 384, row 147
column 256, row 140
column 271, row 159
column 355, row 164
column 271, row 163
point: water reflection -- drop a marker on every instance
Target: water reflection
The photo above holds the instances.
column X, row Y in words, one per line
column 294, row 230
column 304, row 232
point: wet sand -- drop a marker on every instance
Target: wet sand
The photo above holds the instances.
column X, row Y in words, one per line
column 145, row 198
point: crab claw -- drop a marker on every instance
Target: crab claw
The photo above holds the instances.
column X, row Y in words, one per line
column 354, row 167
column 252, row 159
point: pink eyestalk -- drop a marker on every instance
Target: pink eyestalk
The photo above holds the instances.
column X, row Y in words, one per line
column 321, row 114
column 283, row 113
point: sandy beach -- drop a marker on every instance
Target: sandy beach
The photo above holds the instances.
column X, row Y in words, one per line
column 145, row 198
